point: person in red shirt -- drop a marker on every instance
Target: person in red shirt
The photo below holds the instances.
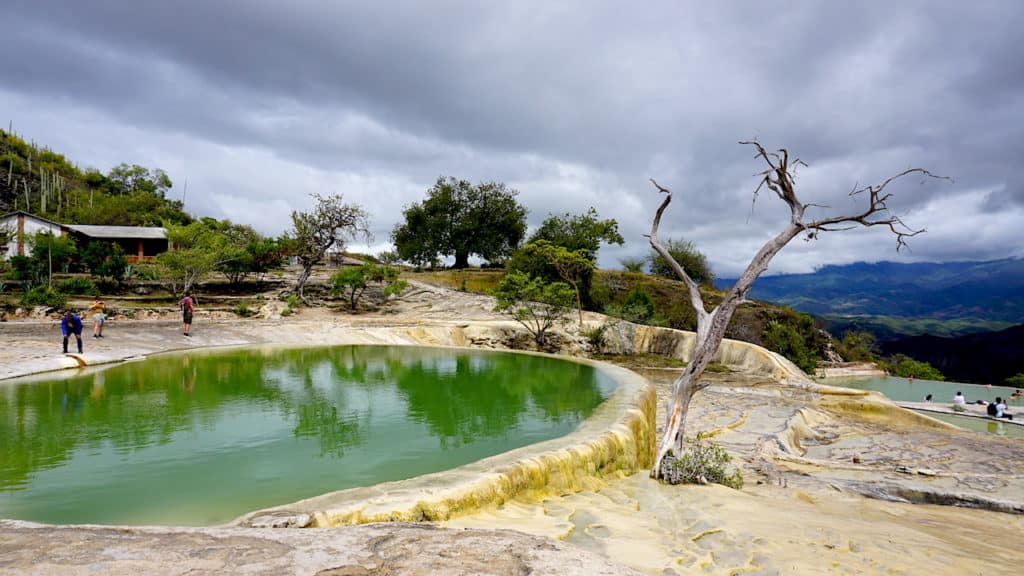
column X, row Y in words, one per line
column 188, row 306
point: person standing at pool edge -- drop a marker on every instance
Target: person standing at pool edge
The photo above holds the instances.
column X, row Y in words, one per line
column 71, row 324
column 188, row 306
column 98, row 318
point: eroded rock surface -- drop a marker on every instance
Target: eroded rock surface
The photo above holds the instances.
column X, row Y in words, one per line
column 370, row 550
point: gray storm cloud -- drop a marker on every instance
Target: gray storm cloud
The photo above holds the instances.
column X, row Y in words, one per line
column 258, row 104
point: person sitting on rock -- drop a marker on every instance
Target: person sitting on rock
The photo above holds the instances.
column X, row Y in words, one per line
column 1001, row 410
column 959, row 399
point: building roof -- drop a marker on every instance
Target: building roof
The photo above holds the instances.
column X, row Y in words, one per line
column 141, row 232
column 33, row 216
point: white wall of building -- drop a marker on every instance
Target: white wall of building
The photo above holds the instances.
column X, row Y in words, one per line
column 29, row 227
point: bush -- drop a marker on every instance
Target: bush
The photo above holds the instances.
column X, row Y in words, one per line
column 688, row 256
column 701, row 463
column 595, row 336
column 77, row 286
column 787, row 340
column 1016, row 380
column 635, row 265
column 294, row 302
column 906, row 367
column 857, row 347
column 243, row 310
column 44, row 296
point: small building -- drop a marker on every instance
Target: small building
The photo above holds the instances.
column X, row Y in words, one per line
column 138, row 242
column 22, row 227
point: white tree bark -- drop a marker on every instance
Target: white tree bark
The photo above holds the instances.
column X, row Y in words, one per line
column 779, row 177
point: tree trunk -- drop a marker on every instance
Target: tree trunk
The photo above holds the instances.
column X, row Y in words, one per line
column 709, row 336
column 461, row 259
column 301, row 283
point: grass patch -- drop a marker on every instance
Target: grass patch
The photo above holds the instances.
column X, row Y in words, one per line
column 470, row 280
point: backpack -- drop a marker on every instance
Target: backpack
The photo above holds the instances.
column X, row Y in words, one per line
column 992, row 409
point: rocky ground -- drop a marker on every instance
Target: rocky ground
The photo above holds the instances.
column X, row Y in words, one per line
column 833, row 485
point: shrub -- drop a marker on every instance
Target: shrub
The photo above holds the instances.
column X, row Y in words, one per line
column 787, row 340
column 688, row 256
column 1016, row 380
column 701, row 463
column 595, row 336
column 635, row 265
column 44, row 296
column 242, row 309
column 294, row 302
column 857, row 347
column 287, row 312
column 77, row 286
column 906, row 367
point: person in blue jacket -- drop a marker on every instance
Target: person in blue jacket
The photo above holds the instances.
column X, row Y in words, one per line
column 71, row 324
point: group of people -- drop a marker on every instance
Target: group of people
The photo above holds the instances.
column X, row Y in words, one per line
column 71, row 323
column 996, row 408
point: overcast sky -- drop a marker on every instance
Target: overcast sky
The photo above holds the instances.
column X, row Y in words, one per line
column 258, row 104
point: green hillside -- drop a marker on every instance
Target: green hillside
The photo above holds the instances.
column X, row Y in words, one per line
column 40, row 181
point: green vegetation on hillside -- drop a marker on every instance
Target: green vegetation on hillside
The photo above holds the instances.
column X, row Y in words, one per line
column 45, row 183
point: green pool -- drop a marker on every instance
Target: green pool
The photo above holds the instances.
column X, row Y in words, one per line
column 200, row 439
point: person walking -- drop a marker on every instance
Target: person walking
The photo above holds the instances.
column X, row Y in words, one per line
column 188, row 306
column 71, row 324
column 98, row 318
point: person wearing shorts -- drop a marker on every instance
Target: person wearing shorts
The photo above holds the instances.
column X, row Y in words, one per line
column 98, row 318
column 188, row 306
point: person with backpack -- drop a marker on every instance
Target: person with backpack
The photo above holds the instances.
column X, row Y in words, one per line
column 188, row 306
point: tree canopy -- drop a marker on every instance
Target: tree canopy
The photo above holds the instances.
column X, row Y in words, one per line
column 579, row 232
column 688, row 256
column 461, row 219
column 329, row 225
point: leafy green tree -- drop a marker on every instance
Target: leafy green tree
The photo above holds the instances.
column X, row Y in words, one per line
column 126, row 179
column 572, row 267
column 534, row 303
column 105, row 260
column 330, row 224
column 688, row 256
column 198, row 251
column 1017, row 380
column 352, row 281
column 906, row 367
column 461, row 219
column 265, row 255
column 576, row 232
column 50, row 252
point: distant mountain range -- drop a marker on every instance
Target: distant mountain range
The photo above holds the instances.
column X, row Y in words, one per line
column 987, row 291
column 988, row 358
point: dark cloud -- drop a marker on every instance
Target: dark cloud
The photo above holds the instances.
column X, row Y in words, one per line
column 575, row 104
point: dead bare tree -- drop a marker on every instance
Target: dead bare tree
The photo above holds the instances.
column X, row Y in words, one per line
column 779, row 177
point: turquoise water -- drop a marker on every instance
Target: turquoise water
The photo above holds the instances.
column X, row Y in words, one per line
column 200, row 439
column 902, row 389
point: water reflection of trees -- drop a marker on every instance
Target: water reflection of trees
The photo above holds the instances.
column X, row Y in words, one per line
column 136, row 405
column 459, row 396
column 462, row 396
